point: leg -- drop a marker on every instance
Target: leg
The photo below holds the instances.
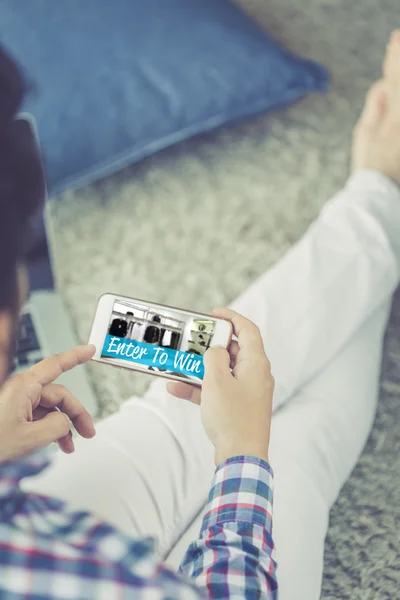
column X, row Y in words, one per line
column 317, row 439
column 314, row 300
column 152, row 458
column 145, row 472
column 150, row 467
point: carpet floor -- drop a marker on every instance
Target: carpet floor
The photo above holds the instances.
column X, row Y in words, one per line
column 245, row 194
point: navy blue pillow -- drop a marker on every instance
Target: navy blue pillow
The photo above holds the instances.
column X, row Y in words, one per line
column 116, row 80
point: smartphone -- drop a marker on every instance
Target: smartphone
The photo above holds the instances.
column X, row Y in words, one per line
column 155, row 339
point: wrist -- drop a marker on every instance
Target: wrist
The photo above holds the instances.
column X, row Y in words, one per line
column 260, row 451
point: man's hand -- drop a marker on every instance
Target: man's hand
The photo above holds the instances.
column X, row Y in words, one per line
column 34, row 411
column 235, row 406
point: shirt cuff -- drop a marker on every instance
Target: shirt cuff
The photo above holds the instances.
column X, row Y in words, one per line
column 242, row 491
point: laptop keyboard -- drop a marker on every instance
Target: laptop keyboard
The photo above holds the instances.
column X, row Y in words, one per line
column 28, row 351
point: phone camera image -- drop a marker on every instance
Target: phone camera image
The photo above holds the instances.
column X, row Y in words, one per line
column 158, row 339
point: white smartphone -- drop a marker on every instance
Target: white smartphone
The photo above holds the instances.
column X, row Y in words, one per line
column 155, row 339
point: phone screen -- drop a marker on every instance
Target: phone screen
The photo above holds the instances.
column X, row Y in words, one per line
column 158, row 339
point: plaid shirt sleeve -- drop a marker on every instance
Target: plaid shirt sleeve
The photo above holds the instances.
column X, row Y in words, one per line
column 48, row 551
column 233, row 557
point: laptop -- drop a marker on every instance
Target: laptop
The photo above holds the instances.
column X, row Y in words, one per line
column 45, row 327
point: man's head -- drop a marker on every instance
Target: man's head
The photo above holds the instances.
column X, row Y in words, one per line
column 21, row 196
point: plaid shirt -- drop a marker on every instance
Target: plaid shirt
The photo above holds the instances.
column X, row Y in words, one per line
column 48, row 551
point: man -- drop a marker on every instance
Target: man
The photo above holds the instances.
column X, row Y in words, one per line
column 322, row 312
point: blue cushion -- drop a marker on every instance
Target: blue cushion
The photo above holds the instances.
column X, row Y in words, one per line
column 116, row 80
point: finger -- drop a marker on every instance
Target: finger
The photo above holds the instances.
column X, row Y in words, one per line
column 233, row 353
column 216, row 364
column 55, row 395
column 66, row 443
column 184, row 391
column 247, row 333
column 41, row 412
column 53, row 427
column 49, row 369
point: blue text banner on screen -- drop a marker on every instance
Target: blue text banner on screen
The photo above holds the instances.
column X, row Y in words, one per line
column 149, row 355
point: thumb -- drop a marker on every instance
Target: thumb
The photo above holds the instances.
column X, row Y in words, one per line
column 216, row 363
column 51, row 428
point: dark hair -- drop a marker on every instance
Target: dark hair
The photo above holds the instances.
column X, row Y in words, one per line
column 21, row 182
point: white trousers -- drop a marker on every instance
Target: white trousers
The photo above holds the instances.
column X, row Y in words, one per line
column 322, row 311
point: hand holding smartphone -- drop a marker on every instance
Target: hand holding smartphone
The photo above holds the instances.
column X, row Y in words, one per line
column 155, row 339
column 236, row 403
